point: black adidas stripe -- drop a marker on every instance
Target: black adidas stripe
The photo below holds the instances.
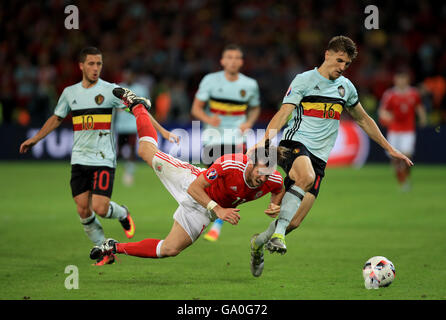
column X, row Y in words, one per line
column 296, row 125
column 82, row 112
column 237, row 102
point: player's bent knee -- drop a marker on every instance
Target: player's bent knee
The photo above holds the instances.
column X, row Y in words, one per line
column 84, row 212
column 309, row 180
column 147, row 151
column 169, row 252
column 101, row 209
column 304, row 180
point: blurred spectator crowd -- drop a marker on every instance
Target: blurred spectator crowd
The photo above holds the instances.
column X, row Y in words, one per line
column 171, row 44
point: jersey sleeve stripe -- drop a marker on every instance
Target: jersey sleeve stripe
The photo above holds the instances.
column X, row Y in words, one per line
column 275, row 180
column 233, row 162
column 238, row 168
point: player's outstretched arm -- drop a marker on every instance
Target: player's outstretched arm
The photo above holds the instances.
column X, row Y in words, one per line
column 197, row 191
column 165, row 133
column 276, row 123
column 369, row 126
column 52, row 123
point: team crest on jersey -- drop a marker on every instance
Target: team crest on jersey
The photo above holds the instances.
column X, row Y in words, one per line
column 243, row 93
column 258, row 194
column 341, row 91
column 234, row 188
column 296, row 151
column 99, row 99
column 288, row 92
column 212, row 174
column 159, row 167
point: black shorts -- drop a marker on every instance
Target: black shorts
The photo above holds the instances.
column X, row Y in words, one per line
column 97, row 179
column 213, row 152
column 298, row 149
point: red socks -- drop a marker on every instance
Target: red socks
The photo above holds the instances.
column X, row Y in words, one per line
column 143, row 124
column 144, row 249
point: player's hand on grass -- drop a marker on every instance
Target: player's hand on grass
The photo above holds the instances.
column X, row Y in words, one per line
column 395, row 154
column 228, row 214
column 273, row 210
column 26, row 145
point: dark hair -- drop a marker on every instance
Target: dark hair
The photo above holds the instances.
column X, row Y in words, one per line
column 86, row 51
column 232, row 46
column 344, row 44
column 266, row 155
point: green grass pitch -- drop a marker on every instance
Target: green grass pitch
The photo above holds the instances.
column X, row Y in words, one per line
column 359, row 214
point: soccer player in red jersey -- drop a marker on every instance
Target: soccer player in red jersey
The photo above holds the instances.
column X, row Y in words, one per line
column 398, row 110
column 202, row 194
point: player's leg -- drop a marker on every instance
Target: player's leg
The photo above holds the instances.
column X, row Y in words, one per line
column 396, row 140
column 102, row 188
column 304, row 208
column 303, row 175
column 80, row 188
column 187, row 227
column 88, row 219
column 259, row 240
column 407, row 148
column 176, row 241
column 148, row 137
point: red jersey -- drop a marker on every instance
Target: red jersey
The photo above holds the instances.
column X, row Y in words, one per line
column 402, row 105
column 228, row 185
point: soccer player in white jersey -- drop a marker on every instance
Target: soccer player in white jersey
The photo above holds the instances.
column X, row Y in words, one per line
column 228, row 103
column 202, row 195
column 315, row 100
column 93, row 159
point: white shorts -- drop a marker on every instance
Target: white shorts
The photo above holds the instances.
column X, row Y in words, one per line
column 176, row 176
column 403, row 141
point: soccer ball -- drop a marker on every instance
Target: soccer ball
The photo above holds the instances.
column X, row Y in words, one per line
column 378, row 272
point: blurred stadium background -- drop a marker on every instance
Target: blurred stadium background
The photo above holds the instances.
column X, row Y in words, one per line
column 171, row 45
